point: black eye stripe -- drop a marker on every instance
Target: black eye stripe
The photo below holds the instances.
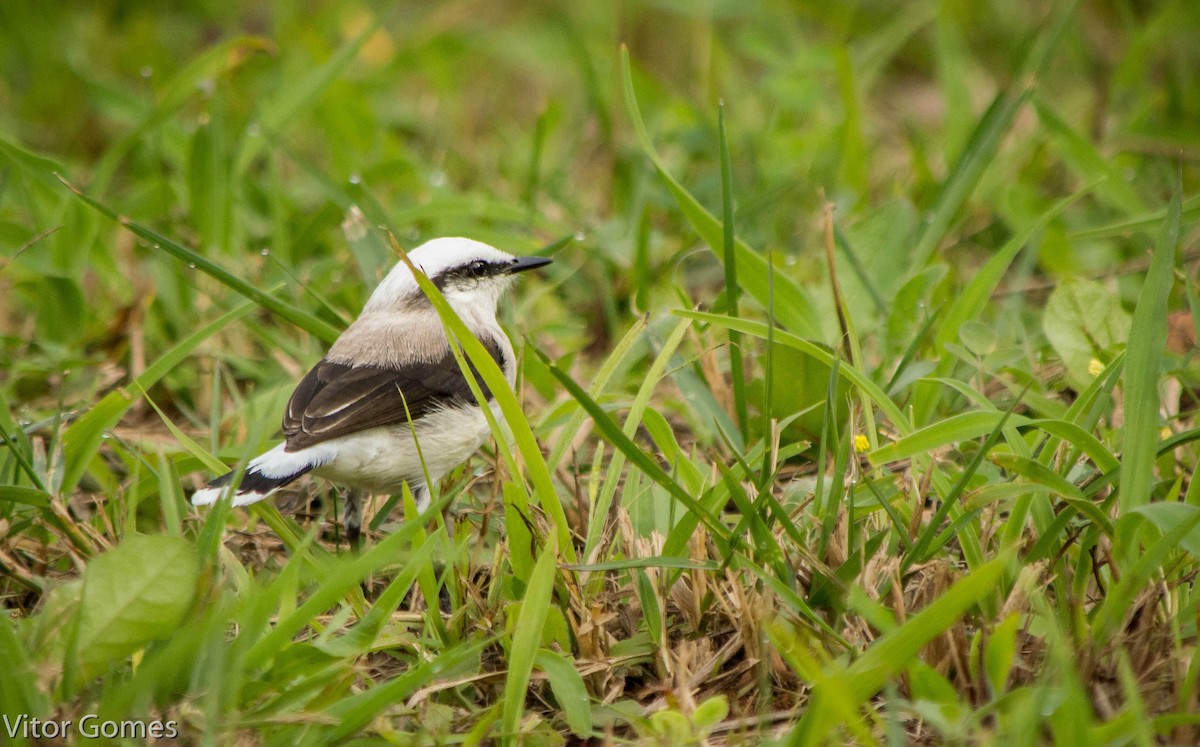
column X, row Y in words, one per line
column 473, row 270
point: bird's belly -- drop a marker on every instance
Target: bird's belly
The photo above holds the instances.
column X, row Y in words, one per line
column 380, row 460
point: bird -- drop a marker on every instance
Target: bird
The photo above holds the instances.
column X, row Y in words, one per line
column 389, row 404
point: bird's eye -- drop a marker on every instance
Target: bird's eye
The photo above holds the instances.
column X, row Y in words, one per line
column 477, row 267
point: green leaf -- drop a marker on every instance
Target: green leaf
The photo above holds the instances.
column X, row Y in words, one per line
column 569, row 691
column 1147, row 344
column 1072, row 495
column 132, row 595
column 1168, row 515
column 952, row 430
column 710, row 712
column 1084, row 321
column 527, row 639
column 27, row 496
column 1000, row 652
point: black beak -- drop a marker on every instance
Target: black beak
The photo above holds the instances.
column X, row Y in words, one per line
column 521, row 264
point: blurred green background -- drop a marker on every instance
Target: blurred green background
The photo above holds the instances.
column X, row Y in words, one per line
column 244, row 128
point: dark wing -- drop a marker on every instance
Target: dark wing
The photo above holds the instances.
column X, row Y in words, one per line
column 336, row 399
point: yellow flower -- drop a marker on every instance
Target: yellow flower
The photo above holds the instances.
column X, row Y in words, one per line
column 861, row 444
column 1095, row 367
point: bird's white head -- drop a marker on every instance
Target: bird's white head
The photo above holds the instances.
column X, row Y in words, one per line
column 471, row 275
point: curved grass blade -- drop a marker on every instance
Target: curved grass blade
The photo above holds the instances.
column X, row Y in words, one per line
column 952, row 430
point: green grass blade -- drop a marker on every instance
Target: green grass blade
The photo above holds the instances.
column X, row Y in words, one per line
column 732, row 289
column 1118, row 602
column 568, row 689
column 952, row 430
column 527, row 639
column 984, row 142
column 1083, row 156
column 343, row 578
column 1147, row 344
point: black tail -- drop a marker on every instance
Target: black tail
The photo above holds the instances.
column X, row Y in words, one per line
column 254, row 487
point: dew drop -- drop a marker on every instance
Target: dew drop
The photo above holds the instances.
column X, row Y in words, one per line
column 438, row 178
column 147, row 71
column 191, row 265
column 254, row 130
column 265, row 252
column 106, row 435
column 580, row 236
column 355, row 179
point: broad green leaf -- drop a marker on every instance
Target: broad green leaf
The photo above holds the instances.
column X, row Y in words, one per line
column 132, row 595
column 1084, row 322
